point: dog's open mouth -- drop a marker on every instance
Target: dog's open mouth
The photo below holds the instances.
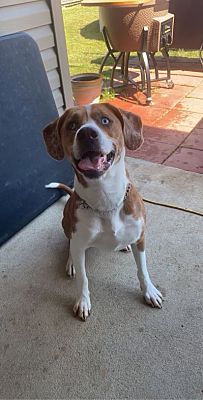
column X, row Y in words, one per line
column 94, row 164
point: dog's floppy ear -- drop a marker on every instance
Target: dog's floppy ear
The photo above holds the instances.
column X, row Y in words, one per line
column 53, row 140
column 132, row 127
column 132, row 130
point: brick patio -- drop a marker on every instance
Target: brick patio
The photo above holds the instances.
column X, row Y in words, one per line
column 173, row 124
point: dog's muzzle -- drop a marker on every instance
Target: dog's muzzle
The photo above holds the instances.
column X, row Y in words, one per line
column 93, row 156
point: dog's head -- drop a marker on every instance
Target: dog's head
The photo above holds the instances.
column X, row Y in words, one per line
column 93, row 137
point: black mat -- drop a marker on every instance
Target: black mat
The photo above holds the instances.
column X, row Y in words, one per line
column 26, row 106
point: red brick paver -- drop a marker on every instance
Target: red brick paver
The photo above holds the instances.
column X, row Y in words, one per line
column 162, row 135
column 195, row 140
column 153, row 151
column 173, row 124
column 197, row 93
column 191, row 104
column 186, row 80
column 178, row 119
column 188, row 159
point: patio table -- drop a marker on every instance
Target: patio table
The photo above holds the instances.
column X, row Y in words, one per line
column 142, row 26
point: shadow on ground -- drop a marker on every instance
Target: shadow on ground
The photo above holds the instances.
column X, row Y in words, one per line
column 92, row 31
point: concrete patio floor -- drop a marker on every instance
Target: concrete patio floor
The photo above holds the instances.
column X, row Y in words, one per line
column 173, row 124
column 125, row 349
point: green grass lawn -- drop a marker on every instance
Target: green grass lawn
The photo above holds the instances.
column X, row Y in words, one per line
column 85, row 43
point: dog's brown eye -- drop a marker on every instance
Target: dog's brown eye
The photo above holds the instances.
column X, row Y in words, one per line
column 105, row 121
column 72, row 125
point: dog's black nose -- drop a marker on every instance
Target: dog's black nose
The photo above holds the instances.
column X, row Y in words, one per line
column 87, row 133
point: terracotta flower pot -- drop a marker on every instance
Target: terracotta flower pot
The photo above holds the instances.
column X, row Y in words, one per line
column 86, row 88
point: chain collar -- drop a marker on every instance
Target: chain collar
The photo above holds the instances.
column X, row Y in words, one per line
column 84, row 205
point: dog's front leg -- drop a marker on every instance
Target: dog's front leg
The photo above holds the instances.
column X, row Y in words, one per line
column 151, row 294
column 82, row 305
column 70, row 269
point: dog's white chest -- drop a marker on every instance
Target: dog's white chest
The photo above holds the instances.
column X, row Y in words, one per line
column 113, row 232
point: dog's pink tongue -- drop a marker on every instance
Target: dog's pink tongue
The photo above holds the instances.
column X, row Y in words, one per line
column 97, row 162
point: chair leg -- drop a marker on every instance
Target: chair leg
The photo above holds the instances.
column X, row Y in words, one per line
column 168, row 69
column 141, row 71
column 155, row 65
column 117, row 59
column 145, row 62
column 104, row 61
column 126, row 64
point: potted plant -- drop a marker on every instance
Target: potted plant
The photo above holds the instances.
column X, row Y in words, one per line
column 86, row 88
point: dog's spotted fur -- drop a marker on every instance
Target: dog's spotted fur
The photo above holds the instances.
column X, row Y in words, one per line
column 113, row 218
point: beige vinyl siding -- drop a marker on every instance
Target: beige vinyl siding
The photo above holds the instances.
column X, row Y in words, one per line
column 40, row 19
column 49, row 59
column 43, row 35
column 4, row 3
column 24, row 16
column 60, row 110
column 58, row 97
column 54, row 79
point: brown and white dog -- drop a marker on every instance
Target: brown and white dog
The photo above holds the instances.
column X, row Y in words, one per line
column 105, row 209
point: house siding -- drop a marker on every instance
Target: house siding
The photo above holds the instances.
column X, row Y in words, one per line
column 40, row 19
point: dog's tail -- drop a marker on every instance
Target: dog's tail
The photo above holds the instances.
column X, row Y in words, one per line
column 55, row 185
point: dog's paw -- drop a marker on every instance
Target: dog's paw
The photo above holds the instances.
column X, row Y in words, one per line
column 70, row 269
column 82, row 308
column 153, row 296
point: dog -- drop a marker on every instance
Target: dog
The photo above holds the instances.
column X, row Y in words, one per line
column 104, row 210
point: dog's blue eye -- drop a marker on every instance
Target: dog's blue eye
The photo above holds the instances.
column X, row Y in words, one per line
column 105, row 121
column 72, row 125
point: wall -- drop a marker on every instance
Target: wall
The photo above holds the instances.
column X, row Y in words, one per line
column 188, row 29
column 43, row 21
